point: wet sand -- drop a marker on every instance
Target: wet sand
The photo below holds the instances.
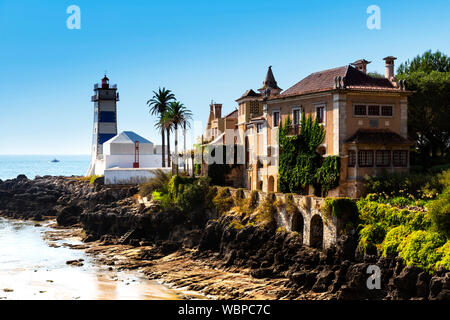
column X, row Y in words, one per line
column 34, row 268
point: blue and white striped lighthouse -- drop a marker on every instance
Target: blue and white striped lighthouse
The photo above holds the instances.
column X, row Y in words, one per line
column 105, row 120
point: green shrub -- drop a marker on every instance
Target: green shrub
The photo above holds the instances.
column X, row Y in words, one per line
column 370, row 238
column 209, row 197
column 93, row 178
column 342, row 208
column 327, row 176
column 440, row 213
column 163, row 199
column 393, row 239
column 401, row 184
column 158, row 182
column 445, row 260
column 182, row 193
column 420, row 249
column 266, row 213
column 223, row 201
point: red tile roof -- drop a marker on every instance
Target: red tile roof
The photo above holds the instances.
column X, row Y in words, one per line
column 377, row 136
column 325, row 80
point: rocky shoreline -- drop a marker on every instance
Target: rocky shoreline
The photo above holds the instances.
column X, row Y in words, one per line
column 202, row 252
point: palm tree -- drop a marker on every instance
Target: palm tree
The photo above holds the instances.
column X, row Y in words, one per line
column 186, row 124
column 158, row 106
column 178, row 114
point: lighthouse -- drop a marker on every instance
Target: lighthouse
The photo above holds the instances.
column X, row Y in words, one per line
column 105, row 122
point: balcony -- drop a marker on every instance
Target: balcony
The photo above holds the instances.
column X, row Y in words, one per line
column 99, row 86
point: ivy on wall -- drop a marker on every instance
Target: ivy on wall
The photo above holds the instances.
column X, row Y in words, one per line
column 300, row 165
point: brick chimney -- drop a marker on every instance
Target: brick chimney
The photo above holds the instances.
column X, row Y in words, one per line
column 361, row 65
column 217, row 110
column 390, row 73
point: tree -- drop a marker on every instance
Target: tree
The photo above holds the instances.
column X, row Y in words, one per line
column 427, row 63
column 177, row 114
column 158, row 106
column 429, row 107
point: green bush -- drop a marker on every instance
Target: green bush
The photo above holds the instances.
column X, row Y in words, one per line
column 93, row 178
column 370, row 238
column 393, row 239
column 163, row 199
column 445, row 260
column 327, row 176
column 223, row 201
column 440, row 213
column 158, row 182
column 266, row 213
column 420, row 248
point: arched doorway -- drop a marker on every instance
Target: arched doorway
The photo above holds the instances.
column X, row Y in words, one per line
column 297, row 223
column 316, row 232
column 271, row 185
column 260, row 185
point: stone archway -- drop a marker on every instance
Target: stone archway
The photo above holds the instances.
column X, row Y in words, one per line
column 316, row 232
column 271, row 184
column 298, row 223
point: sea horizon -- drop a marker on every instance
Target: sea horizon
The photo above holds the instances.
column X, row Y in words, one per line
column 33, row 165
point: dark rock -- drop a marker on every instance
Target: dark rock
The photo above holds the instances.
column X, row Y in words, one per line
column 261, row 273
column 405, row 283
column 324, row 280
column 298, row 278
column 69, row 215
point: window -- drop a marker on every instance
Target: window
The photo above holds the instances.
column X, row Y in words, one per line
column 365, row 158
column 374, row 110
column 259, row 127
column 400, row 158
column 383, row 158
column 360, row 110
column 352, row 159
column 320, row 114
column 296, row 115
column 276, row 118
column 387, row 111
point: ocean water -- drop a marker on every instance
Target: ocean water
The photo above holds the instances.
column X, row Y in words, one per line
column 40, row 165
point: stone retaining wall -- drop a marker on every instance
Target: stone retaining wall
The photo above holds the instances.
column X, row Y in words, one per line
column 316, row 229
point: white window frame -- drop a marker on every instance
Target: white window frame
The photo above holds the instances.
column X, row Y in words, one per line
column 295, row 108
column 273, row 118
column 380, row 105
column 261, row 126
column 319, row 105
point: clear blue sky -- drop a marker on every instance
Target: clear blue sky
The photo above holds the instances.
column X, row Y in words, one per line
column 201, row 50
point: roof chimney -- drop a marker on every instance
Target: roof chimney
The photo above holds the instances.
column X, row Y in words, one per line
column 217, row 109
column 390, row 68
column 361, row 65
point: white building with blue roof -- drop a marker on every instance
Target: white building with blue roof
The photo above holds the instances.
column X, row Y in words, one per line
column 125, row 158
